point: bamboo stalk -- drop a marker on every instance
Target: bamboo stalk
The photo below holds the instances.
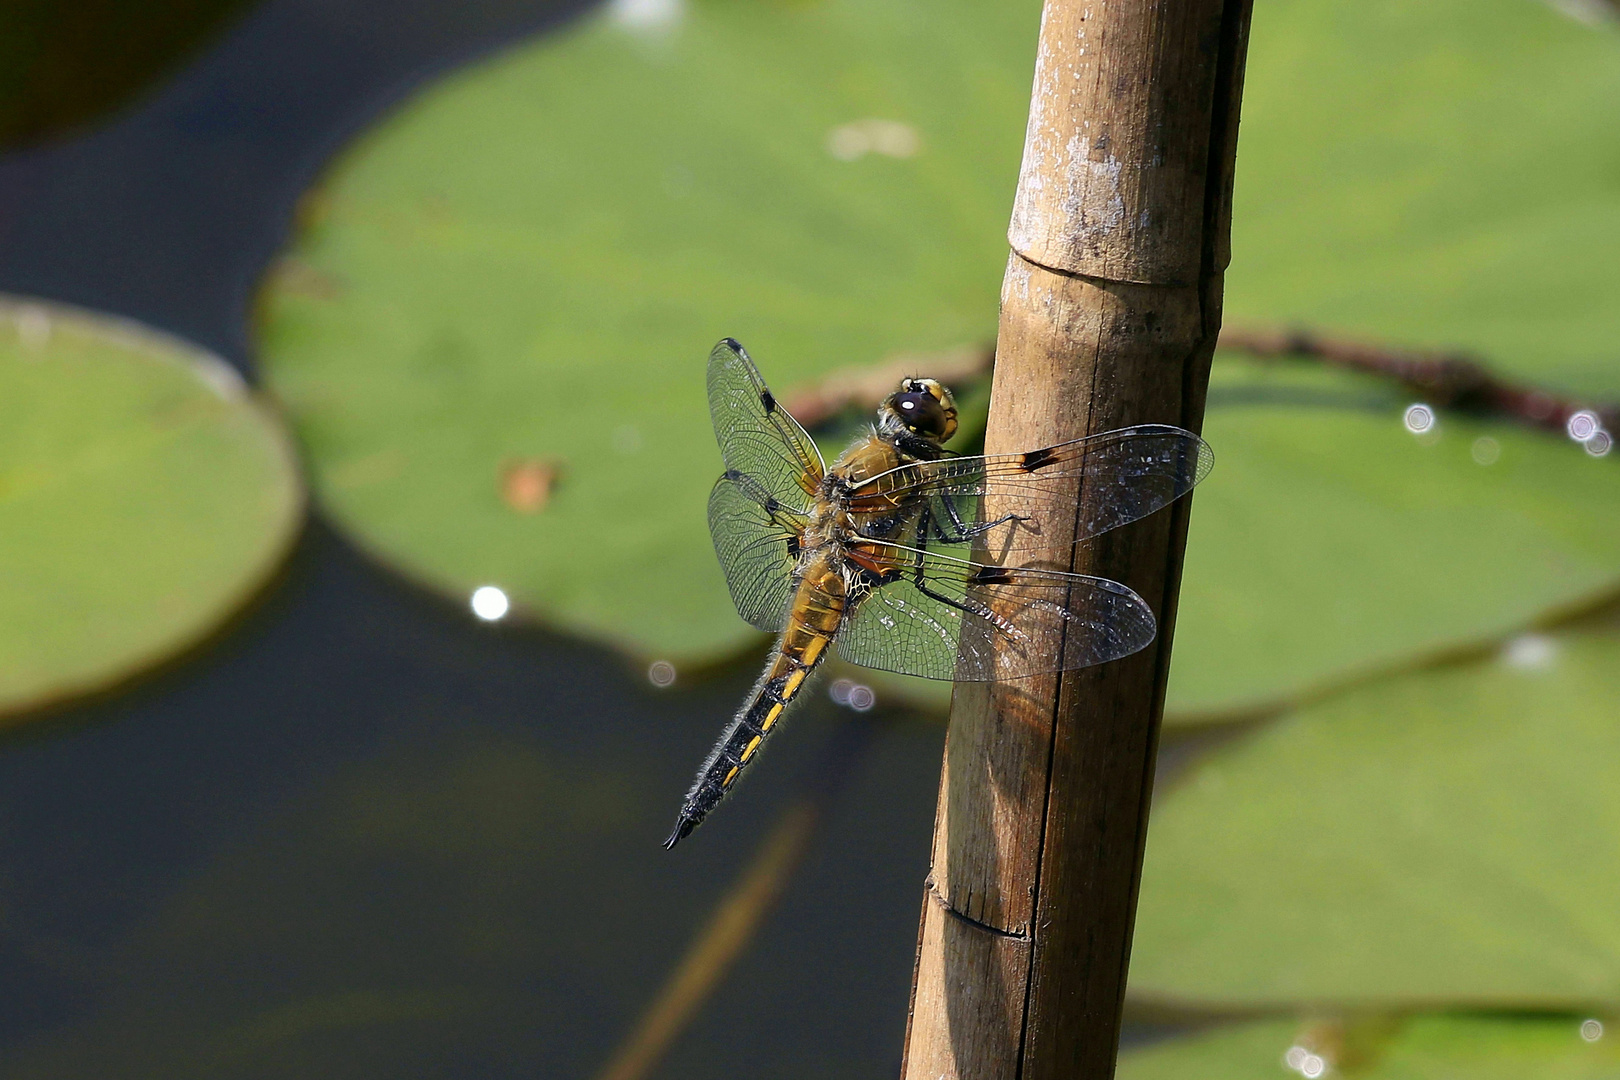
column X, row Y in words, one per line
column 1110, row 313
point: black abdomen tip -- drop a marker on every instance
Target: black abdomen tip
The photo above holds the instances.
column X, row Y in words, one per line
column 683, row 829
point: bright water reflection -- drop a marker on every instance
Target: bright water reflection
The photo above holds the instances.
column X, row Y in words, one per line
column 489, row 603
column 647, row 15
column 1419, row 419
column 1304, row 1062
column 1530, row 652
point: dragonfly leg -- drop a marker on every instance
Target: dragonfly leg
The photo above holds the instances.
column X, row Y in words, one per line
column 966, row 605
column 965, row 532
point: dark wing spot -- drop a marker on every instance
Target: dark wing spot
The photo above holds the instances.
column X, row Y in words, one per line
column 768, row 401
column 1036, row 459
column 991, row 575
column 772, row 505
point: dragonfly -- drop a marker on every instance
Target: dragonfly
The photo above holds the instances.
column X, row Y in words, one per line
column 903, row 556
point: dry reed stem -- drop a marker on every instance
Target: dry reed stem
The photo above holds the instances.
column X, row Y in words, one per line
column 862, row 388
column 741, row 911
column 718, row 945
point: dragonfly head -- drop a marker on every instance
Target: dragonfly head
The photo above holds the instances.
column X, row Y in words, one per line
column 921, row 407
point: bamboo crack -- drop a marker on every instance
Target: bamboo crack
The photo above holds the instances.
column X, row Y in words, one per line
column 968, row 920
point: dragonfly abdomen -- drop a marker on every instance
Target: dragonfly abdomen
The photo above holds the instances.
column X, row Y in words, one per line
column 818, row 608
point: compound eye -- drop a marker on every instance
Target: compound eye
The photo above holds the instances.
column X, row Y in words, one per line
column 921, row 413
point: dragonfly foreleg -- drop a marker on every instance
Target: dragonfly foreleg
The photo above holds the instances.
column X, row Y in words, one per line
column 963, row 531
column 967, row 605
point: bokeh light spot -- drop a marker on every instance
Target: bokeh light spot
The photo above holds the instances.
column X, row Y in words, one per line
column 1419, row 419
column 891, row 138
column 852, row 695
column 34, row 328
column 661, row 673
column 647, row 14
column 1530, row 652
column 1582, row 425
column 490, row 603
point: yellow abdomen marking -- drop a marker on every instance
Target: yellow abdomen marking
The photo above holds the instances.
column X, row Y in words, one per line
column 793, row 682
column 730, row 776
column 748, row 751
column 770, row 717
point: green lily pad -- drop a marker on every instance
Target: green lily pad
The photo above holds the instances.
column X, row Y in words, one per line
column 491, row 331
column 1439, row 1047
column 1330, row 541
column 1441, row 838
column 1399, row 180
column 144, row 496
column 530, row 263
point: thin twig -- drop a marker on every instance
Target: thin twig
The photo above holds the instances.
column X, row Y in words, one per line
column 862, row 388
column 1445, row 378
column 1448, row 379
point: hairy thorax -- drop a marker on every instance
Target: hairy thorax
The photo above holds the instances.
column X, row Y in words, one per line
column 839, row 518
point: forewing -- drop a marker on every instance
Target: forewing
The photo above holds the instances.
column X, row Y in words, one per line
column 757, row 436
column 1120, row 476
column 947, row 618
column 756, row 548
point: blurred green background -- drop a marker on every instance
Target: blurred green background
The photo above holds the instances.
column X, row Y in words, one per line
column 1384, row 836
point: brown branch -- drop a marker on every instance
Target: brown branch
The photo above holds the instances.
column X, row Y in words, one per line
column 862, row 388
column 1448, row 379
column 1443, row 378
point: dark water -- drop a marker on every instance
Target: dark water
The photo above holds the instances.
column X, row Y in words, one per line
column 361, row 835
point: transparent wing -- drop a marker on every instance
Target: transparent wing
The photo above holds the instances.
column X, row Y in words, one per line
column 1009, row 499
column 757, row 549
column 758, row 438
column 947, row 618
